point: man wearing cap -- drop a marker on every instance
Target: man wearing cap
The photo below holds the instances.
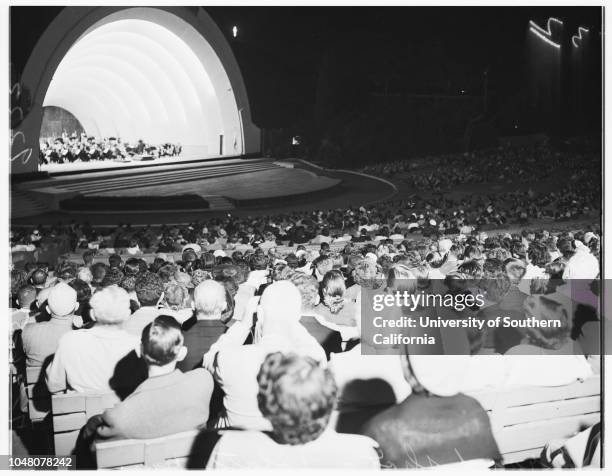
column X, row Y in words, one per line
column 40, row 339
column 86, row 360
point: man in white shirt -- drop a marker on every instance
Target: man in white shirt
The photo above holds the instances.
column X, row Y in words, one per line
column 582, row 265
column 322, row 237
column 235, row 366
column 85, row 359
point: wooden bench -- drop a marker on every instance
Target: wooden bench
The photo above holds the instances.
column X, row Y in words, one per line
column 71, row 411
column 525, row 419
column 172, row 450
column 39, row 399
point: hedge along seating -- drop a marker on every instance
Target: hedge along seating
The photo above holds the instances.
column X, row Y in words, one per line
column 70, row 413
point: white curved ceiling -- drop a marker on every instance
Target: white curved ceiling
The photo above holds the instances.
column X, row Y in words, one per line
column 137, row 79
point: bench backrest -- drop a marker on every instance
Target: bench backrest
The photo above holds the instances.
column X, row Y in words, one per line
column 71, row 411
column 172, row 450
column 39, row 400
column 525, row 419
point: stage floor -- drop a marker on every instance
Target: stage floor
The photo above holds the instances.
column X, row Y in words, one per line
column 276, row 182
column 115, row 164
column 251, row 186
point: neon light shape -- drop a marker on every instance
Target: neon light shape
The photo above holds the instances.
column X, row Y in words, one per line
column 575, row 38
column 548, row 31
column 545, row 38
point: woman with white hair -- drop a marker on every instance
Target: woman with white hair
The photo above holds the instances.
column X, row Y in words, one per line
column 205, row 327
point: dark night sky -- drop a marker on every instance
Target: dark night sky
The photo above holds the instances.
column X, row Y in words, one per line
column 421, row 50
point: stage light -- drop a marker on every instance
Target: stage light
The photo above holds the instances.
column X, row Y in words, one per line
column 575, row 38
column 545, row 38
column 235, row 31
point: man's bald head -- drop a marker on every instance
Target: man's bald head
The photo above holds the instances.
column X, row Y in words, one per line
column 39, row 277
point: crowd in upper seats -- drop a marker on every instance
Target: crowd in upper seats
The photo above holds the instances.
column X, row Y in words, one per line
column 395, row 219
column 501, row 165
column 236, row 335
column 83, row 148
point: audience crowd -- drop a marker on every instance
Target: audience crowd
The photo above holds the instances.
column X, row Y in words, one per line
column 502, row 165
column 72, row 148
column 260, row 345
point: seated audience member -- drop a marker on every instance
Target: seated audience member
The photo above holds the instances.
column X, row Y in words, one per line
column 436, row 424
column 368, row 381
column 322, row 265
column 582, row 264
column 234, row 365
column 509, row 300
column 98, row 271
column 129, row 284
column 84, row 274
column 112, row 277
column 115, row 261
column 546, row 356
column 335, row 307
column 40, row 339
column 330, row 339
column 149, row 289
column 537, row 258
column 25, row 299
column 88, row 258
column 205, row 327
column 86, row 358
column 365, row 275
column 168, row 401
column 83, row 295
column 176, row 302
column 38, row 279
column 131, row 267
column 296, row 396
